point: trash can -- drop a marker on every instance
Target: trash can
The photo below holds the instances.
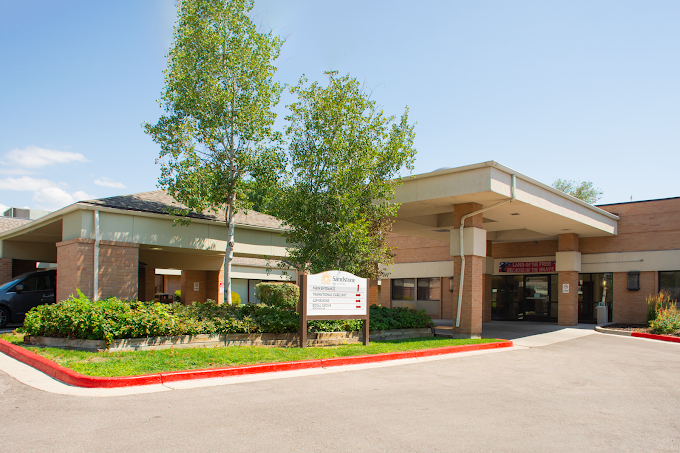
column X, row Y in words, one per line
column 602, row 314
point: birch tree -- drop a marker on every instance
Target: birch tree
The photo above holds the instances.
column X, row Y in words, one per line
column 218, row 99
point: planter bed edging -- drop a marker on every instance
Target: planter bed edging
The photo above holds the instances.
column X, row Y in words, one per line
column 237, row 339
column 70, row 377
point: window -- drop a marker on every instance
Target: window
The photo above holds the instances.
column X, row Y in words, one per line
column 429, row 288
column 403, row 289
column 417, row 293
column 38, row 283
column 634, row 281
column 670, row 281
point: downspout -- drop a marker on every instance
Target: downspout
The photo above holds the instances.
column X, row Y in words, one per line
column 462, row 251
column 97, row 237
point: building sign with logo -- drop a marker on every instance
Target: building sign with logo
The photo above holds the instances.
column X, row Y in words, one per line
column 333, row 295
column 336, row 293
column 527, row 267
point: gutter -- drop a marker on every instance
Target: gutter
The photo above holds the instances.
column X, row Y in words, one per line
column 462, row 251
column 97, row 239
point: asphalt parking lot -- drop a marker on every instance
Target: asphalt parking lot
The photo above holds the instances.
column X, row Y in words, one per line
column 594, row 392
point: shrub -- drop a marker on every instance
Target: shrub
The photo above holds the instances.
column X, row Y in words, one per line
column 657, row 302
column 282, row 295
column 112, row 318
column 235, row 299
column 383, row 318
column 667, row 321
column 178, row 296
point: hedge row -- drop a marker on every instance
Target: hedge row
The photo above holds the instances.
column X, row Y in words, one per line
column 109, row 319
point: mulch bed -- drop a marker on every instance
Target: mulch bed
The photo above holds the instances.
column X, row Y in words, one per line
column 635, row 328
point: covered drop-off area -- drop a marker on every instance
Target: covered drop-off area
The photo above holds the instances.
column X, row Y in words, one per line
column 119, row 246
column 459, row 230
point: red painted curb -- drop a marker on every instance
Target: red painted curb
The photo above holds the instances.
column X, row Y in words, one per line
column 652, row 336
column 70, row 377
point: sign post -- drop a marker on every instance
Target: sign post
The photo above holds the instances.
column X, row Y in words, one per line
column 333, row 295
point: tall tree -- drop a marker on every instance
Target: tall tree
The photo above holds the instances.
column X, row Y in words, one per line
column 218, row 99
column 583, row 190
column 344, row 159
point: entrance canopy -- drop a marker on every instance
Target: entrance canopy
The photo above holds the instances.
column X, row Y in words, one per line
column 536, row 213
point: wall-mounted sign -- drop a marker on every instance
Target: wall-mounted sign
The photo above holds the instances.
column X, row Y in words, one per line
column 336, row 293
column 565, row 288
column 221, row 287
column 527, row 267
column 196, row 286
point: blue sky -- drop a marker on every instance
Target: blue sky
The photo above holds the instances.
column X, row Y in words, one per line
column 585, row 90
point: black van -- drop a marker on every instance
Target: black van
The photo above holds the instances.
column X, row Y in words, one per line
column 24, row 292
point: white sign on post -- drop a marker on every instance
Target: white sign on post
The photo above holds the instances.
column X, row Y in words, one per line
column 565, row 288
column 336, row 293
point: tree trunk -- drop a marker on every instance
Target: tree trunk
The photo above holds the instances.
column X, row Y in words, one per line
column 229, row 252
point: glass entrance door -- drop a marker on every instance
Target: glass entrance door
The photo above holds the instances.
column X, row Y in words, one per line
column 536, row 297
column 524, row 298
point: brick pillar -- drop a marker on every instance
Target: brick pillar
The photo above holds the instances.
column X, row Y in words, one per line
column 386, row 292
column 5, row 270
column 568, row 266
column 473, row 282
column 75, row 267
column 373, row 292
column 118, row 269
column 147, row 284
column 486, row 311
column 189, row 295
column 212, row 286
column 447, row 300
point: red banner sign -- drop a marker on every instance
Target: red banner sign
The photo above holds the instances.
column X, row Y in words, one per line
column 527, row 267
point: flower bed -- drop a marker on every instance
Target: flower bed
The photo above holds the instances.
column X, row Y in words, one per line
column 111, row 319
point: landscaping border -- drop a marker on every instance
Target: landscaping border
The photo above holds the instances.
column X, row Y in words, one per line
column 70, row 377
column 234, row 339
column 632, row 333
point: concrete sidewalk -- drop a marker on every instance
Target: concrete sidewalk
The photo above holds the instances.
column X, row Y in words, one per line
column 528, row 334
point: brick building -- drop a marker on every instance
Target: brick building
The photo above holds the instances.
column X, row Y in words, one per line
column 531, row 253
column 130, row 247
column 526, row 251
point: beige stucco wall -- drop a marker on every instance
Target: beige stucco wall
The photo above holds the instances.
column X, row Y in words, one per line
column 159, row 231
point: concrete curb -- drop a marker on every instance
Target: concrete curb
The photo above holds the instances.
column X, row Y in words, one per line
column 652, row 336
column 70, row 377
column 625, row 333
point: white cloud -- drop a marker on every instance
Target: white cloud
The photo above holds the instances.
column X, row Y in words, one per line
column 3, row 208
column 56, row 197
column 53, row 196
column 81, row 196
column 27, row 183
column 106, row 182
column 35, row 157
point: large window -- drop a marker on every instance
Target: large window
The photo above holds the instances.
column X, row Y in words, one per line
column 670, row 281
column 403, row 289
column 429, row 288
column 418, row 293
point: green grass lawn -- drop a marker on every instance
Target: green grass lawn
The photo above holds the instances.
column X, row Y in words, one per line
column 145, row 362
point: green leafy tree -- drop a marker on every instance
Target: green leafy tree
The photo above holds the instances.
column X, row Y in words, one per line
column 218, row 100
column 344, row 160
column 582, row 190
